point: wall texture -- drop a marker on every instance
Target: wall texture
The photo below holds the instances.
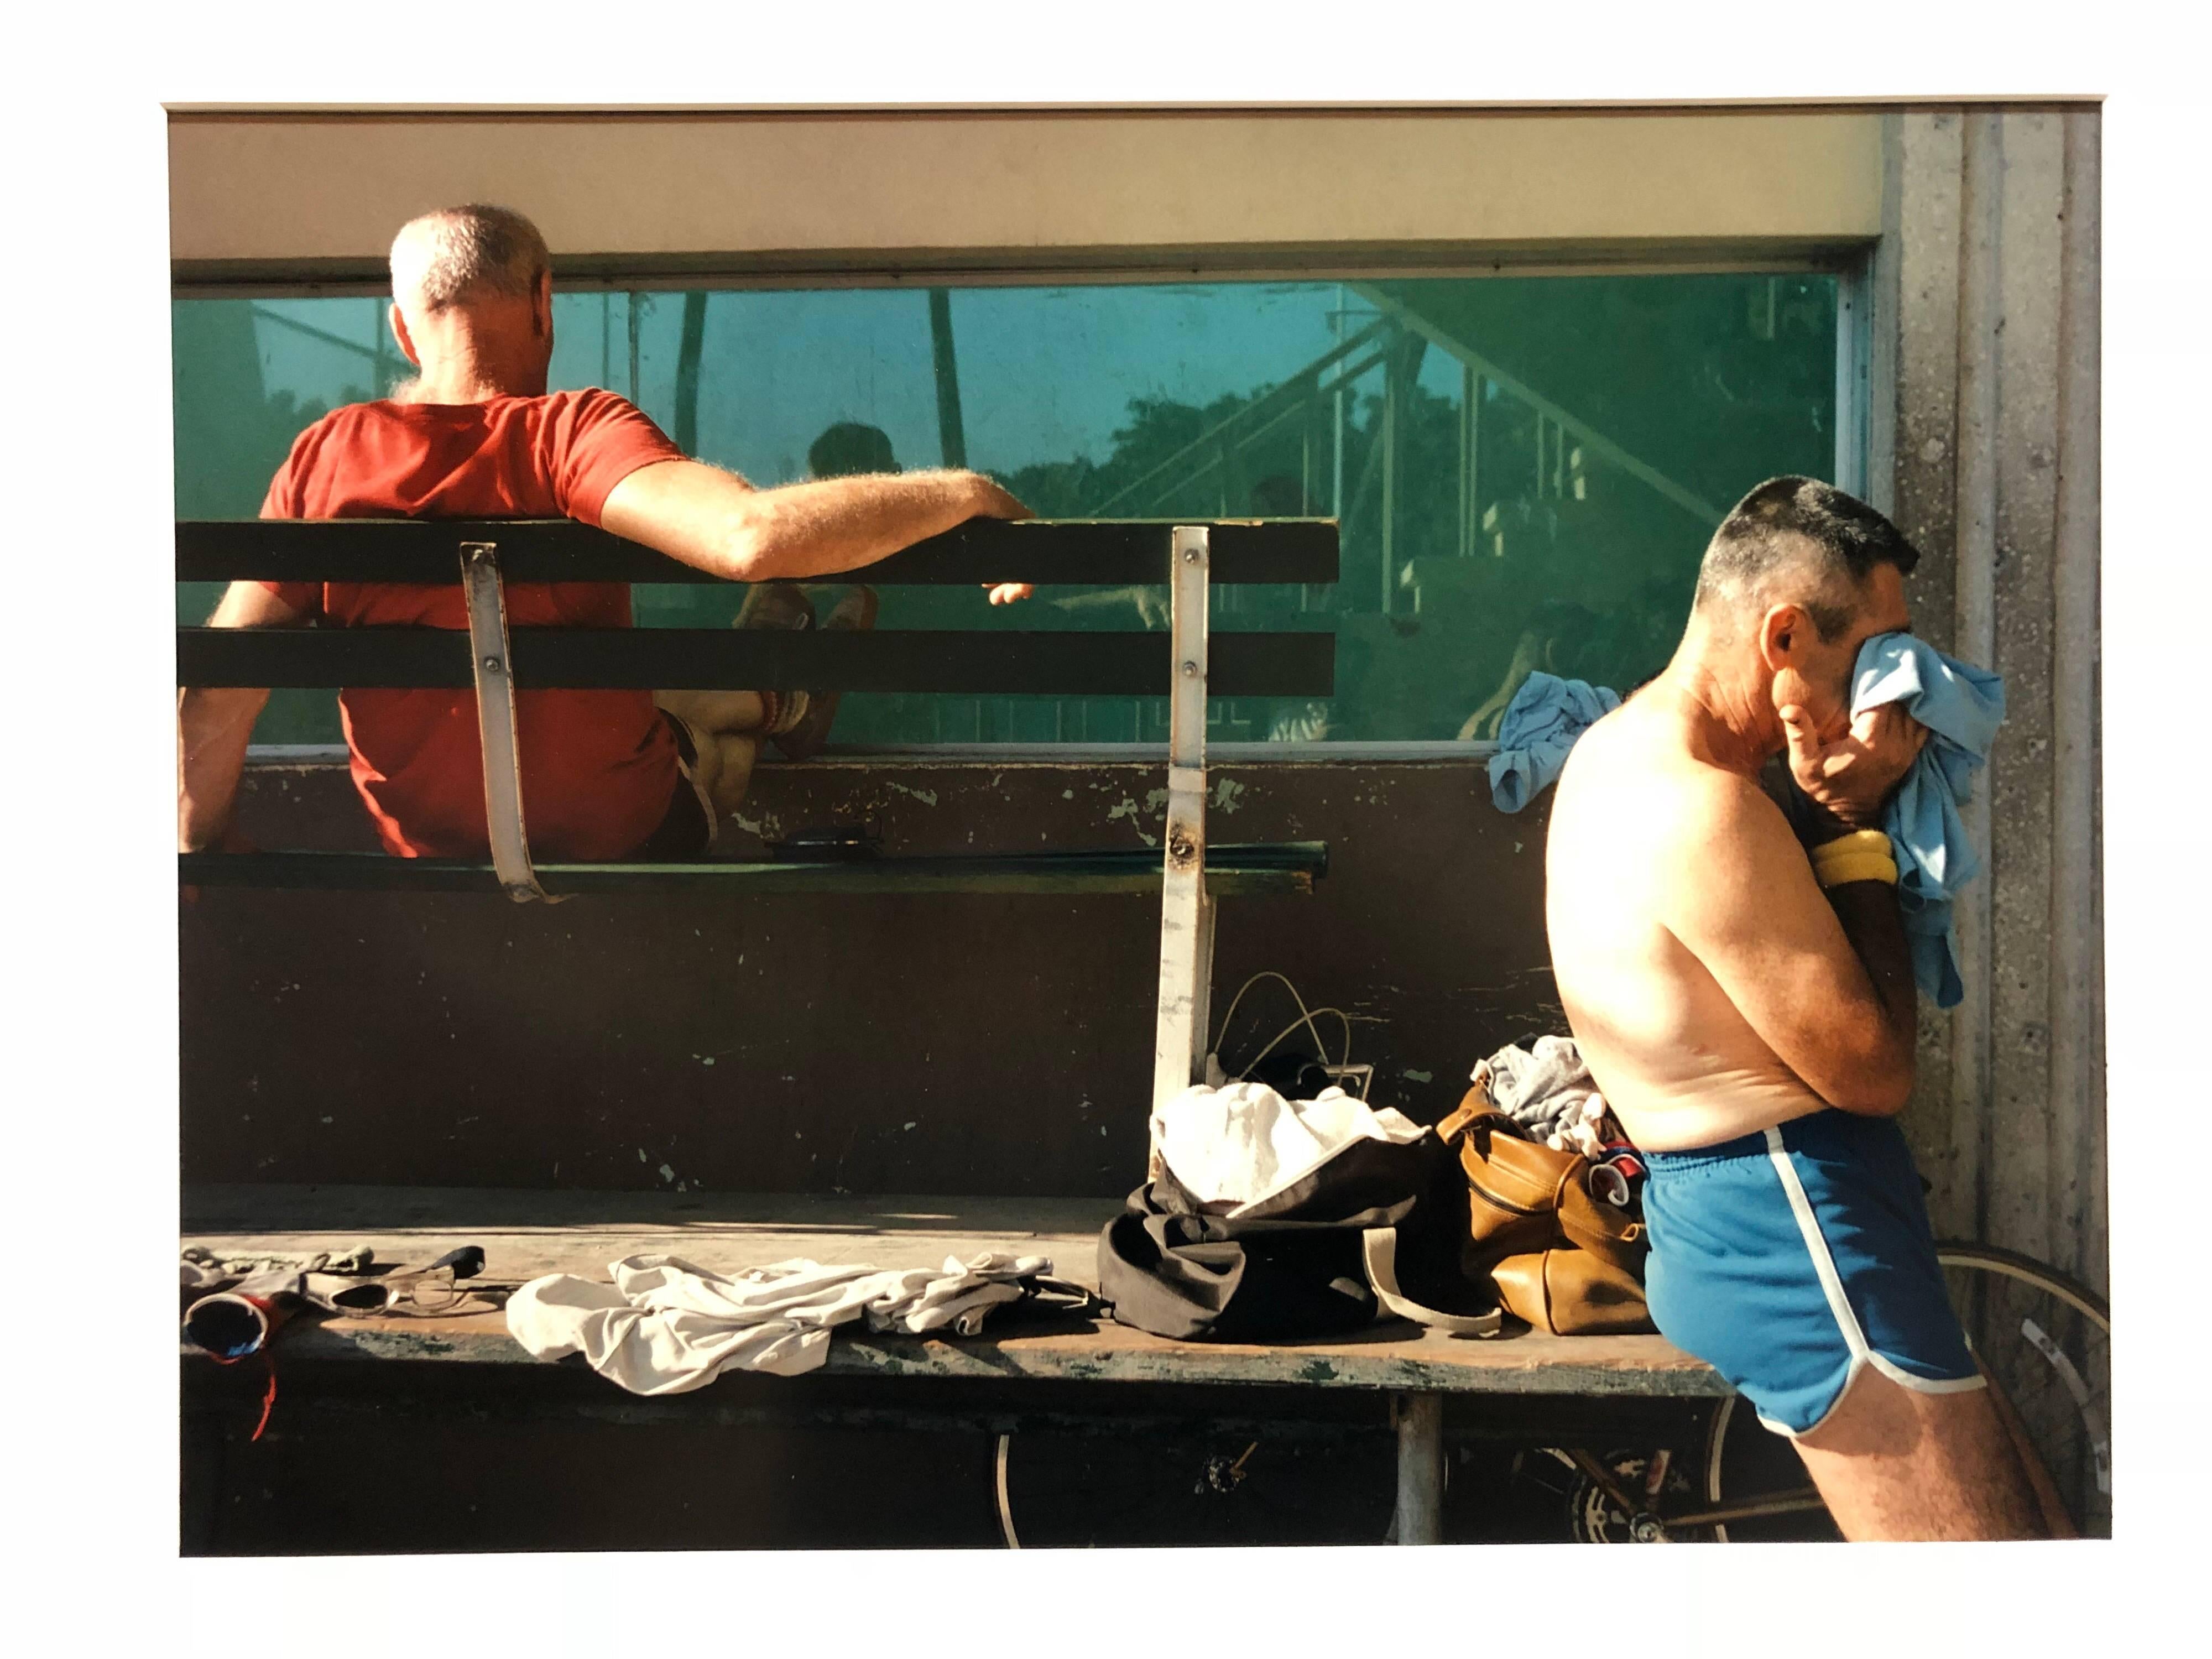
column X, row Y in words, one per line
column 1987, row 443
column 955, row 1044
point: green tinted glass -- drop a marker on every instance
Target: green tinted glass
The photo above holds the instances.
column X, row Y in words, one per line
column 1525, row 469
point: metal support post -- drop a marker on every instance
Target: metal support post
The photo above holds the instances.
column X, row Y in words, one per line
column 1421, row 1419
column 494, row 684
column 1392, row 392
column 1186, row 912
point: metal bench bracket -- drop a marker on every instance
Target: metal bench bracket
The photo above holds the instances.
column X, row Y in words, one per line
column 1186, row 911
column 495, row 685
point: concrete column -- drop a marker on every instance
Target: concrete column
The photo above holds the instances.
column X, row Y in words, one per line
column 2077, row 1116
column 2021, row 1211
column 1975, row 625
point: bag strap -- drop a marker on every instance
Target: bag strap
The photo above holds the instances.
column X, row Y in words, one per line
column 1473, row 1107
column 1378, row 1247
column 1616, row 1243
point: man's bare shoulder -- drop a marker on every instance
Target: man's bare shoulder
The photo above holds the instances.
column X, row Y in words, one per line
column 1634, row 771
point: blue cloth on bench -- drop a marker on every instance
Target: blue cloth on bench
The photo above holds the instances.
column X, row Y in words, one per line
column 1541, row 723
column 1961, row 706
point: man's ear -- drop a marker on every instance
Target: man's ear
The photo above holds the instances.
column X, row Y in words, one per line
column 541, row 307
column 399, row 333
column 1784, row 632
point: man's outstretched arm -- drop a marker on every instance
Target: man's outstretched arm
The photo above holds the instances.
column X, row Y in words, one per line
column 214, row 724
column 714, row 521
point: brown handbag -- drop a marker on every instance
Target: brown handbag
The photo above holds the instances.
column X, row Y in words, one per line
column 1559, row 1258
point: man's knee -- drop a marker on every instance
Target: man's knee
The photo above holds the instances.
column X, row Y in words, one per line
column 714, row 711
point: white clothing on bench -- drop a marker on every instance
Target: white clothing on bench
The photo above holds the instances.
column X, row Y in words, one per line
column 667, row 1326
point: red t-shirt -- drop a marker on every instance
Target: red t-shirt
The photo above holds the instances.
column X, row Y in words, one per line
column 599, row 768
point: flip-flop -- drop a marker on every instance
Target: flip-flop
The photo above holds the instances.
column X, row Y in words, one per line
column 856, row 611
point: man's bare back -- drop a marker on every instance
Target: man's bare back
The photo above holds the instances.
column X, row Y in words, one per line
column 1677, row 1060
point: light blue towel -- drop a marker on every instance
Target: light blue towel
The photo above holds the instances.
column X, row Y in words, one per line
column 1541, row 723
column 1961, row 706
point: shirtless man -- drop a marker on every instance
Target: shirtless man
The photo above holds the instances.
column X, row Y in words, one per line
column 1746, row 1002
column 605, row 774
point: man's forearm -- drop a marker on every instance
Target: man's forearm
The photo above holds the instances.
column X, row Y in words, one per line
column 716, row 522
column 1869, row 912
column 214, row 725
column 835, row 524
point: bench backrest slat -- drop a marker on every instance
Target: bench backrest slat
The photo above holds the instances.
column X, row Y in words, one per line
column 1279, row 868
column 1061, row 663
column 1112, row 553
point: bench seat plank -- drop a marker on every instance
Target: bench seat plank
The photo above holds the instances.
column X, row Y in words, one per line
column 526, row 1234
column 1282, row 868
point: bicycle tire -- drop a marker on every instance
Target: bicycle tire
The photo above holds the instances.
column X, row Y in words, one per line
column 2064, row 1401
column 2013, row 1264
column 2046, row 1339
column 1200, row 1486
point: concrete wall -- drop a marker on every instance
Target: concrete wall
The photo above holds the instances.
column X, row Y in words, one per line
column 954, row 1044
column 733, row 194
column 1983, row 444
column 1987, row 444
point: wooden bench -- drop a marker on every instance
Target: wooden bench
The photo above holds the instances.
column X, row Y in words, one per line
column 1019, row 1373
column 1189, row 664
column 1023, row 1373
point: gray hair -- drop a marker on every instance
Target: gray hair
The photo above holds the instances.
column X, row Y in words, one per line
column 1831, row 541
column 461, row 253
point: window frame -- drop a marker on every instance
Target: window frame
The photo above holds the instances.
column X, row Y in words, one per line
column 1850, row 263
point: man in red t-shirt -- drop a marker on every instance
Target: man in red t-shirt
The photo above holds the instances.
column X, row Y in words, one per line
column 605, row 774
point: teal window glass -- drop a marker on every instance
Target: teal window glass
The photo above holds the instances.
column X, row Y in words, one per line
column 1526, row 469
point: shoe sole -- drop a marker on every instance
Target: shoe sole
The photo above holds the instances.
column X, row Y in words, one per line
column 854, row 613
column 775, row 605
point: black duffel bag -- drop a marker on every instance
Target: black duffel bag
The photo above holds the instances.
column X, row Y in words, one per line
column 1375, row 1230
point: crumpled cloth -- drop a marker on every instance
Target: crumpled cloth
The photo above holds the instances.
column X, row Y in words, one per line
column 667, row 1326
column 1962, row 707
column 1234, row 1146
column 1540, row 724
column 201, row 1269
column 1547, row 1090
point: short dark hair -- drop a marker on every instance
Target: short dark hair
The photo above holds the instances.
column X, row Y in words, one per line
column 1776, row 525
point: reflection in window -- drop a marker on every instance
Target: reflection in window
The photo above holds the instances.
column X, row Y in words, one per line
column 1525, row 469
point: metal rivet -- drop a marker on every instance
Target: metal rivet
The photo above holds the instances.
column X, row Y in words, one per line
column 1190, row 668
column 1190, row 555
column 491, row 664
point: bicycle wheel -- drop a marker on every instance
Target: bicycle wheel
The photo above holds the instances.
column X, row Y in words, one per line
column 1748, row 1466
column 2045, row 1340
column 1641, row 1483
column 1101, row 1490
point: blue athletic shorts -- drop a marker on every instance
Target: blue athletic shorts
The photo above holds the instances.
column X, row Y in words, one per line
column 1789, row 1259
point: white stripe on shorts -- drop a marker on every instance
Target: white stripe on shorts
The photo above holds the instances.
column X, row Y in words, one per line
column 1831, row 1284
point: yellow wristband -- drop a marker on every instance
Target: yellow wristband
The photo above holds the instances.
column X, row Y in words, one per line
column 1857, row 866
column 1859, row 841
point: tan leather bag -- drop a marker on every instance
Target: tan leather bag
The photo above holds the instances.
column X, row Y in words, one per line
column 1559, row 1259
